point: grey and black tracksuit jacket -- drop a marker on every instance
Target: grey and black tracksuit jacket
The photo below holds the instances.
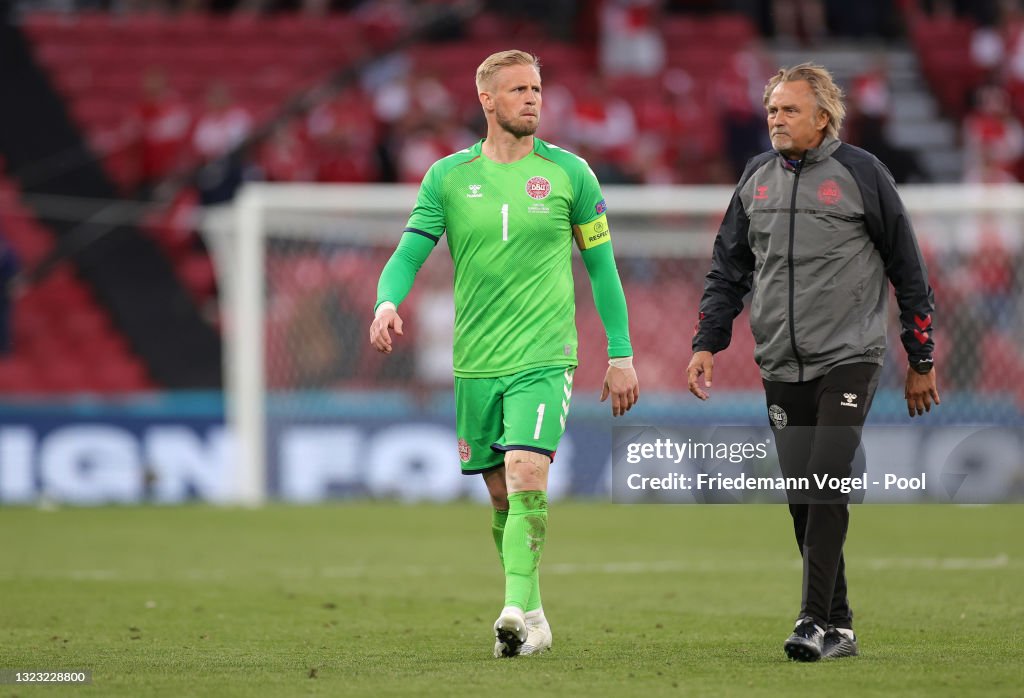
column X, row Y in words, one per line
column 816, row 242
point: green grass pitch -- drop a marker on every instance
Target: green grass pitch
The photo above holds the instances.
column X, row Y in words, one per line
column 381, row 599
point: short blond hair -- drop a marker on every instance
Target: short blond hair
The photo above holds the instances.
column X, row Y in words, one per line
column 827, row 93
column 503, row 59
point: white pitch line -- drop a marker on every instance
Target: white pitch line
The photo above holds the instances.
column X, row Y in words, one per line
column 940, row 563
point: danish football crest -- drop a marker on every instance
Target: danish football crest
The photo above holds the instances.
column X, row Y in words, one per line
column 464, row 451
column 828, row 192
column 538, row 187
column 778, row 416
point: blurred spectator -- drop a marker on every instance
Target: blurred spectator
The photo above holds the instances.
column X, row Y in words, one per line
column 699, row 138
column 559, row 106
column 384, row 20
column 799, row 21
column 9, row 267
column 739, row 92
column 993, row 137
column 419, row 150
column 988, row 51
column 222, row 126
column 411, row 95
column 161, row 124
column 284, row 157
column 607, row 170
column 902, row 163
column 415, row 114
column 1012, row 24
column 431, row 99
column 870, row 97
column 603, row 119
column 342, row 138
column 425, row 135
column 870, row 105
column 648, row 162
column 631, row 43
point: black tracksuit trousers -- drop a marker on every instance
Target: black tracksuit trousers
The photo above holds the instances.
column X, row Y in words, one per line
column 817, row 426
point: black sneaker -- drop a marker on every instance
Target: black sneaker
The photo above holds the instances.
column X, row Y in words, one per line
column 838, row 644
column 806, row 642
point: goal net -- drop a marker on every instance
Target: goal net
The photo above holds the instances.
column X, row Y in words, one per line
column 317, row 413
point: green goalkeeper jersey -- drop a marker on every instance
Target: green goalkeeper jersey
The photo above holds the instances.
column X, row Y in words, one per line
column 510, row 230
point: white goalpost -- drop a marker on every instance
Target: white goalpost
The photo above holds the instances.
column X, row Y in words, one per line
column 240, row 255
column 297, row 264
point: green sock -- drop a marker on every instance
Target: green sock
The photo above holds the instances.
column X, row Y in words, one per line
column 522, row 546
column 498, row 519
column 534, row 603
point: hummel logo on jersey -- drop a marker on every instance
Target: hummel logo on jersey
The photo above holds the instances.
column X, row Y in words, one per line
column 762, row 193
column 474, row 191
column 849, row 400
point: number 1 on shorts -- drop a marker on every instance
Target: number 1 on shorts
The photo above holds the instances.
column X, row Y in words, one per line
column 540, row 420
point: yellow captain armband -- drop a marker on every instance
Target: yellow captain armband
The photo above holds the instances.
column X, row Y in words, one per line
column 592, row 234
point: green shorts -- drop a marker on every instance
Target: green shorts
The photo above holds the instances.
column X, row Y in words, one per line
column 524, row 411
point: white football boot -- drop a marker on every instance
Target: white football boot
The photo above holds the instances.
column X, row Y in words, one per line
column 509, row 632
column 538, row 633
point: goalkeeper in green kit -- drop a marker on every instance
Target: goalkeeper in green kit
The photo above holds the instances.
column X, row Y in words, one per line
column 512, row 205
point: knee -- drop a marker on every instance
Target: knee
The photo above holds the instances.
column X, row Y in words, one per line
column 496, row 488
column 526, row 471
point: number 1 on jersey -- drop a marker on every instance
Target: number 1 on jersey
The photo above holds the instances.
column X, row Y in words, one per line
column 504, row 222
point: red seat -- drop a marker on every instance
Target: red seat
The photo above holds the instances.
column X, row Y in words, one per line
column 17, row 375
column 197, row 273
column 121, row 376
column 681, row 30
column 63, row 376
column 85, row 324
column 730, row 31
column 950, row 33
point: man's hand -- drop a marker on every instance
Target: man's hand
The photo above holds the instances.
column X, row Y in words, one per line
column 920, row 392
column 622, row 385
column 379, row 336
column 700, row 365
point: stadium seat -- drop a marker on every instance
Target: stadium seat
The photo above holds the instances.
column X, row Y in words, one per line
column 55, row 320
column 17, row 376
column 729, row 30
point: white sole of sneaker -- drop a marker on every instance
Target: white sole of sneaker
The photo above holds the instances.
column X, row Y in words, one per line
column 509, row 635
